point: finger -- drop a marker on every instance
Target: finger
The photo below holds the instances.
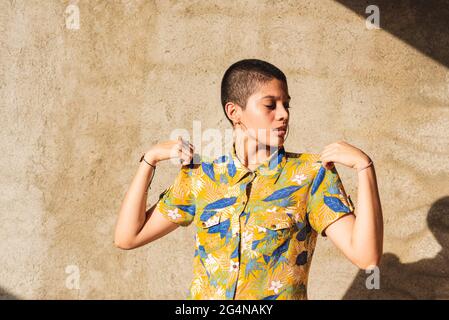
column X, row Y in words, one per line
column 187, row 145
column 181, row 155
column 323, row 151
column 186, row 153
column 183, row 145
column 181, row 158
column 326, row 160
column 179, row 144
column 323, row 154
column 187, row 150
column 328, row 148
column 179, row 147
column 185, row 157
column 327, row 164
column 327, row 154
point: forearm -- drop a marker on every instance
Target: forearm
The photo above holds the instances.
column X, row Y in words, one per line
column 132, row 217
column 367, row 232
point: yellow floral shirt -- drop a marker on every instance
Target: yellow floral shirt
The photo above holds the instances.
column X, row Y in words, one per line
column 255, row 230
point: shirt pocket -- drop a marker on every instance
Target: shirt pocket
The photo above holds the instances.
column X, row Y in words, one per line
column 213, row 230
column 272, row 232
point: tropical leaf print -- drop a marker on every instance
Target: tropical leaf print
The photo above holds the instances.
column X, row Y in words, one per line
column 232, row 169
column 247, row 216
column 272, row 297
column 333, row 187
column 221, row 228
column 282, row 193
column 304, row 231
column 223, row 179
column 287, row 202
column 279, row 251
column 202, row 252
column 271, row 236
column 189, row 209
column 255, row 243
column 221, row 203
column 221, row 159
column 273, row 264
column 207, row 214
column 276, row 160
column 252, row 266
column 266, row 258
column 235, row 253
column 318, row 179
column 202, row 262
column 208, row 169
column 335, row 204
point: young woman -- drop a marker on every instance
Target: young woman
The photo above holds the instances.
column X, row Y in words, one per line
column 257, row 209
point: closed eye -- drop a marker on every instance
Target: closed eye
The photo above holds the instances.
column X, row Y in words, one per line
column 273, row 106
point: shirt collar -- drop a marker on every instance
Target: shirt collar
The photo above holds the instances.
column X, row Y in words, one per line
column 270, row 167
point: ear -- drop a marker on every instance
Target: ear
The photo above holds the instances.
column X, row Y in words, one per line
column 233, row 111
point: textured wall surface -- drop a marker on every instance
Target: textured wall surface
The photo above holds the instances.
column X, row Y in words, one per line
column 78, row 106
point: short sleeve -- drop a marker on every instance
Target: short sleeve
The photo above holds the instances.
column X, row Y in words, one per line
column 327, row 200
column 177, row 202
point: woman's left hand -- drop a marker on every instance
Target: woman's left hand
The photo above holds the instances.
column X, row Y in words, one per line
column 345, row 154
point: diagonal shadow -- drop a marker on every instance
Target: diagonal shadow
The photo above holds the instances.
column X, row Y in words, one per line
column 421, row 24
column 424, row 279
column 6, row 295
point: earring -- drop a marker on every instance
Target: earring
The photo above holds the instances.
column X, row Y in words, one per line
column 241, row 124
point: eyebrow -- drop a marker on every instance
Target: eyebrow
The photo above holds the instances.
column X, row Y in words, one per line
column 274, row 97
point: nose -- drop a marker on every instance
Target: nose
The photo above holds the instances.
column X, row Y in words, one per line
column 282, row 112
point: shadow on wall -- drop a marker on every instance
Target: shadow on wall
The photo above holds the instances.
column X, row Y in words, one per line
column 5, row 295
column 421, row 24
column 424, row 279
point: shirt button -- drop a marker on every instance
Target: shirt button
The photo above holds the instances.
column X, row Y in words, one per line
column 244, row 202
column 203, row 224
column 273, row 226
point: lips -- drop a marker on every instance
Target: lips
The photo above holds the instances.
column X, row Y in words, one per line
column 280, row 131
column 282, row 128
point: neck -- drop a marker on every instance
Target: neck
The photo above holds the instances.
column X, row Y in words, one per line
column 251, row 153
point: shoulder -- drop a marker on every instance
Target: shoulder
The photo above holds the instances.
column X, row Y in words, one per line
column 198, row 164
column 193, row 168
column 204, row 172
column 304, row 163
column 303, row 157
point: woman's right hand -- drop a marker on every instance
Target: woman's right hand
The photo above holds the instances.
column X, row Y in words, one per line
column 180, row 149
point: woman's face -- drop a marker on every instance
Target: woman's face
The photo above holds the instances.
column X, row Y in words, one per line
column 267, row 113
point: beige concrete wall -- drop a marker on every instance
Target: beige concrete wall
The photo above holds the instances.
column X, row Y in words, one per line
column 78, row 106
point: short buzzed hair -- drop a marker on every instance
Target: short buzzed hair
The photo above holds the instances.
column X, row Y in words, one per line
column 243, row 78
